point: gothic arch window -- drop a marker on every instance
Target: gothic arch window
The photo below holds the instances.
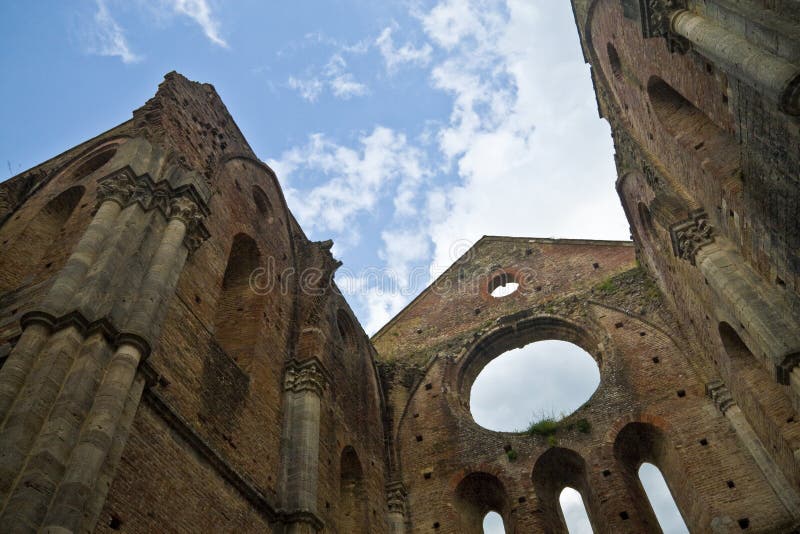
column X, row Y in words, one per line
column 693, row 129
column 476, row 496
column 238, row 312
column 23, row 254
column 660, row 499
column 352, row 494
column 574, row 511
column 263, row 204
column 614, row 60
column 493, row 523
column 92, row 163
column 653, row 493
column 347, row 330
column 555, row 471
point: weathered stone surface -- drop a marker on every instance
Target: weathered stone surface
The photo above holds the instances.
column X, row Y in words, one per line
column 176, row 357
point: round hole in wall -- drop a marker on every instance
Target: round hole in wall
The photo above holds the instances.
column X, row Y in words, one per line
column 543, row 380
column 502, row 285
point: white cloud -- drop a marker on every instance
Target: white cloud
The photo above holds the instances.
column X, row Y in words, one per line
column 349, row 181
column 408, row 53
column 200, row 12
column 107, row 38
column 335, row 76
column 342, row 83
column 309, row 89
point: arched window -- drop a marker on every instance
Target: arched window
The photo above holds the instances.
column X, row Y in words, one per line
column 560, row 481
column 23, row 254
column 654, row 502
column 92, row 163
column 238, row 310
column 352, row 494
column 476, row 496
column 493, row 524
column 693, row 129
column 575, row 515
column 263, row 204
column 660, row 498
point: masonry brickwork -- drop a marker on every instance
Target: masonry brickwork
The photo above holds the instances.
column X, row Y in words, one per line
column 177, row 358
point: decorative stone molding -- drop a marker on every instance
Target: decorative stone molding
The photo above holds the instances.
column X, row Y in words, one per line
column 783, row 370
column 719, row 393
column 86, row 328
column 305, row 376
column 396, row 496
column 183, row 203
column 691, row 235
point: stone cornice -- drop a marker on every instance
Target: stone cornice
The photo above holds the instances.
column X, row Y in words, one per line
column 719, row 393
column 184, row 203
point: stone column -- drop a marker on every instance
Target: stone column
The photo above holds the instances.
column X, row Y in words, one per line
column 762, row 310
column 396, row 499
column 719, row 393
column 112, row 194
column 772, row 75
column 72, row 397
column 303, row 387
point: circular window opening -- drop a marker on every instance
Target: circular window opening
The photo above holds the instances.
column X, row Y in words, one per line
column 503, row 285
column 545, row 380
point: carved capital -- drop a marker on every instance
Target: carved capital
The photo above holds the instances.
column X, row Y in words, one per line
column 691, row 235
column 719, row 393
column 396, row 496
column 185, row 210
column 305, row 376
column 118, row 187
column 656, row 16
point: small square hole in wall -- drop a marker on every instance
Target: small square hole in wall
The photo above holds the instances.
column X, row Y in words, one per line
column 436, row 525
column 642, row 334
column 521, row 500
column 427, row 475
column 537, row 288
column 618, row 325
column 724, row 98
column 115, row 523
column 655, row 359
column 428, row 386
column 506, row 447
column 681, row 393
column 704, row 442
column 606, row 472
column 744, row 523
column 624, row 516
column 327, row 505
column 419, row 438
column 596, row 265
column 790, row 420
column 416, row 415
column 528, row 251
column 731, row 484
column 477, row 311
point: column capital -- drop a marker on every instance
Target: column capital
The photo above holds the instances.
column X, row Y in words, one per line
column 309, row 375
column 691, row 235
column 396, row 496
column 718, row 392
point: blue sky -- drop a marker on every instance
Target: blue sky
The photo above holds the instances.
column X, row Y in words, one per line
column 402, row 129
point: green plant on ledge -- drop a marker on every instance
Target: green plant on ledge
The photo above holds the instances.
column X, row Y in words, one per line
column 512, row 455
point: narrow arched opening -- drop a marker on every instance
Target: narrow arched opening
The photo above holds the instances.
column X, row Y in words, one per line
column 92, row 163
column 641, row 443
column 22, row 257
column 693, row 129
column 660, row 499
column 263, row 205
column 482, row 503
column 558, row 475
column 574, row 511
column 493, row 524
column 352, row 494
column 238, row 311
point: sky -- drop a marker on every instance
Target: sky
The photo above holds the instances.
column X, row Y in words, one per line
column 404, row 130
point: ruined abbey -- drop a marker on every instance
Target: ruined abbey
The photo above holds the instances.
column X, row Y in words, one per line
column 177, row 358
